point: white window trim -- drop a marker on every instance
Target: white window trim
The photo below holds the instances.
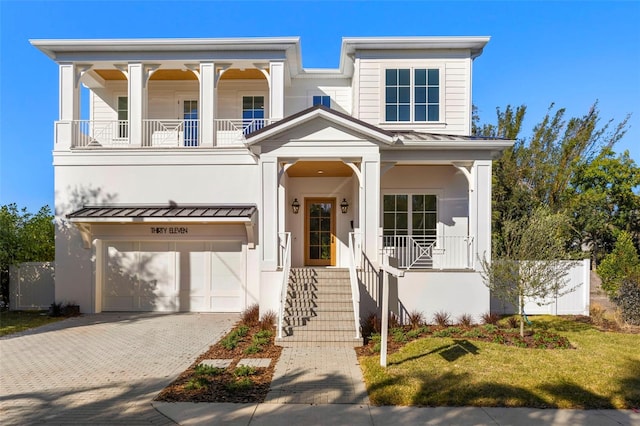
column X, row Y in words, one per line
column 413, row 66
column 312, row 93
column 267, row 112
column 428, row 191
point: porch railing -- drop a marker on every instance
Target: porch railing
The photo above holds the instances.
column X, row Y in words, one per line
column 231, row 132
column 170, row 133
column 86, row 133
column 160, row 132
column 355, row 252
column 285, row 265
column 430, row 252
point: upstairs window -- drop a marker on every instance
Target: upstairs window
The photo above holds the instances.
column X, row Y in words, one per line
column 322, row 100
column 412, row 94
column 252, row 113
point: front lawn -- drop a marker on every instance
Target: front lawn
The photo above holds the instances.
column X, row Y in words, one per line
column 603, row 371
column 16, row 321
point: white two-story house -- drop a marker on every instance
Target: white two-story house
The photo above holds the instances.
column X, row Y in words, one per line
column 207, row 168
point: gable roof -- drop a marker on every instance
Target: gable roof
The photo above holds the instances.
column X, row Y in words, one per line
column 320, row 111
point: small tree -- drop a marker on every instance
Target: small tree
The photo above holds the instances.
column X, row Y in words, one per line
column 622, row 263
column 532, row 266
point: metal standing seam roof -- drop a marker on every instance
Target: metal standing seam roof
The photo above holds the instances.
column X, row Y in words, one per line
column 412, row 136
column 186, row 211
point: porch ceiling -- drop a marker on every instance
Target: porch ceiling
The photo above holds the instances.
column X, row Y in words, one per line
column 319, row 169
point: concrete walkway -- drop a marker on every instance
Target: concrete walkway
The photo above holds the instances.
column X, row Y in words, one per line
column 100, row 369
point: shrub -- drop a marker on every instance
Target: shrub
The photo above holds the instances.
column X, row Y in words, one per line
column 474, row 333
column 251, row 315
column 268, row 320
column 490, row 328
column 196, row 383
column 416, row 319
column 597, row 314
column 244, row 370
column 242, row 331
column 490, row 318
column 253, row 349
column 628, row 301
column 513, row 322
column 371, row 325
column 230, row 341
column 394, row 320
column 465, row 320
column 442, row 318
column 203, row 370
column 239, row 385
column 398, row 335
column 416, row 332
column 621, row 264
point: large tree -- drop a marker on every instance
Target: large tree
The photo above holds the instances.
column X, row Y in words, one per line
column 544, row 168
column 24, row 237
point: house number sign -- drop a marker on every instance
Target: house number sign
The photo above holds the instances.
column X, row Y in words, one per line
column 172, row 230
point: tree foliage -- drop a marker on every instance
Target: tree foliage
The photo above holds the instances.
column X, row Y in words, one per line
column 24, row 237
column 623, row 263
column 531, row 266
column 568, row 166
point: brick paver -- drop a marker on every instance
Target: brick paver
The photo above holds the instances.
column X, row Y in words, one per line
column 318, row 375
column 100, row 369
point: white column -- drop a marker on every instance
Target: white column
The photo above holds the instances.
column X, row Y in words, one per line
column 69, row 92
column 269, row 214
column 371, row 206
column 69, row 107
column 137, row 77
column 480, row 210
column 276, row 90
column 207, row 103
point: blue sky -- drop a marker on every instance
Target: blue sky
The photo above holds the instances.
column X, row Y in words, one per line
column 571, row 53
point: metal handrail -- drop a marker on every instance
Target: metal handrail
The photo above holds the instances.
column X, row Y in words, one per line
column 353, row 277
column 285, row 247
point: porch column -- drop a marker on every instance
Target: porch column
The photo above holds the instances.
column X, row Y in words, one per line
column 276, row 90
column 136, row 93
column 69, row 107
column 480, row 210
column 207, row 103
column 371, row 206
column 269, row 214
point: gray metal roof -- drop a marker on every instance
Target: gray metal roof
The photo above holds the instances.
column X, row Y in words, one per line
column 217, row 211
column 412, row 136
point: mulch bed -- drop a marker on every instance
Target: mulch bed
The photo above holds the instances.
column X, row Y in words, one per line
column 226, row 387
column 400, row 336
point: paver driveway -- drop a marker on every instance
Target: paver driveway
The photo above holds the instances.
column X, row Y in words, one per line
column 100, row 369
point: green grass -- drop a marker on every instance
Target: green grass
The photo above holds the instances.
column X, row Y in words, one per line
column 603, row 371
column 16, row 321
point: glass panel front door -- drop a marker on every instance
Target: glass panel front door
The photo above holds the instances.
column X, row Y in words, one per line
column 320, row 240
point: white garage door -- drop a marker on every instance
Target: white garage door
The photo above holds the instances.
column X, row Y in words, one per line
column 174, row 276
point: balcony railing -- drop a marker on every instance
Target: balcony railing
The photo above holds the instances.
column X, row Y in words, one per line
column 430, row 252
column 85, row 133
column 232, row 132
column 161, row 133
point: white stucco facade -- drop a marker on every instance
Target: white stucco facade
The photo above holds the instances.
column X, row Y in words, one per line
column 178, row 126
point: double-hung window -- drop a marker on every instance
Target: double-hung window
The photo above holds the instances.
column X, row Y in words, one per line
column 412, row 94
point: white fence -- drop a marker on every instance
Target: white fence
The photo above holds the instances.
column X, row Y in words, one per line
column 573, row 303
column 31, row 286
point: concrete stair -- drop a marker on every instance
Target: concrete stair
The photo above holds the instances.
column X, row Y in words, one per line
column 319, row 309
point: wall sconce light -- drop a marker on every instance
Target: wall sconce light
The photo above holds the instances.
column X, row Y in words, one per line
column 295, row 206
column 344, row 206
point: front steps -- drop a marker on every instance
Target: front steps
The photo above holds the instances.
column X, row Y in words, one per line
column 319, row 309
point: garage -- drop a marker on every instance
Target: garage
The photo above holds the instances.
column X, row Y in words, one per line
column 170, row 259
column 174, row 276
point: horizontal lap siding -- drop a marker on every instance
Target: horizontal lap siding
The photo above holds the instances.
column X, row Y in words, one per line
column 230, row 93
column 455, row 84
column 300, row 95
